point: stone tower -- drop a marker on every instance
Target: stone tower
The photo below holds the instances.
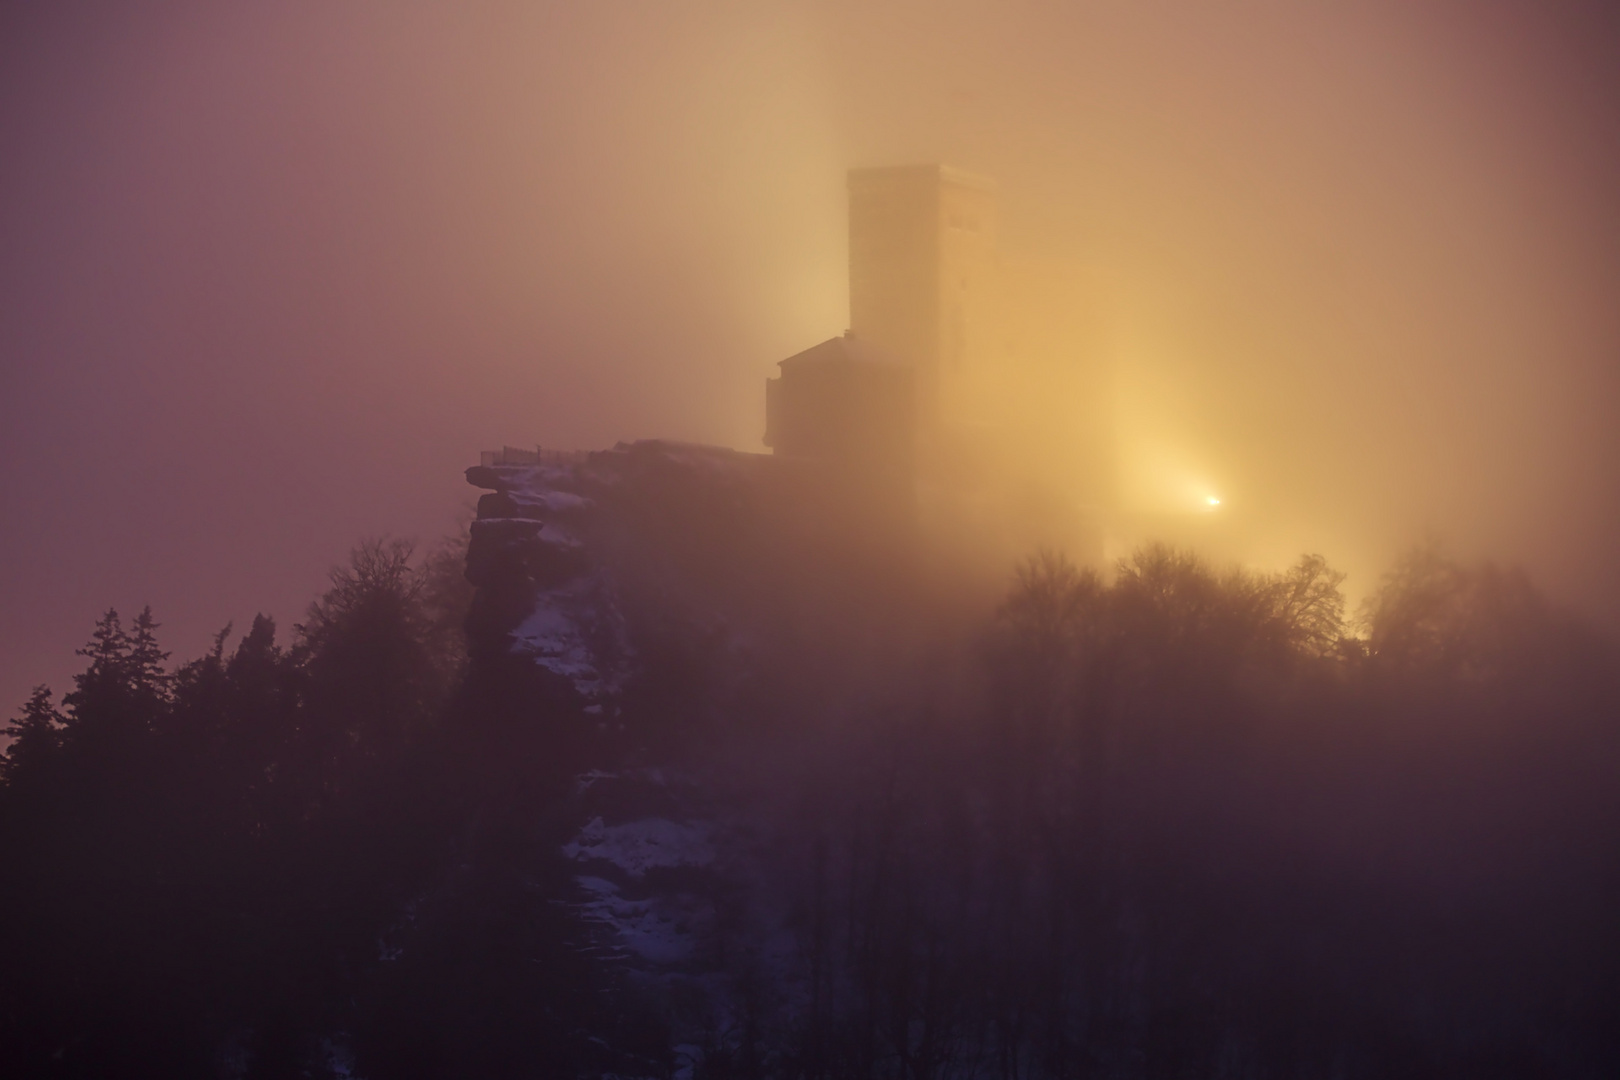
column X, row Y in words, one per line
column 921, row 271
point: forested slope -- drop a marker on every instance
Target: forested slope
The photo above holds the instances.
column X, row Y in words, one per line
column 701, row 792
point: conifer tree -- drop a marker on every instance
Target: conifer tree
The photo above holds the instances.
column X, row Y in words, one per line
column 108, row 652
column 35, row 736
column 145, row 674
column 120, row 697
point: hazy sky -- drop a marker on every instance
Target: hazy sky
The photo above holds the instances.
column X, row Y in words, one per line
column 271, row 275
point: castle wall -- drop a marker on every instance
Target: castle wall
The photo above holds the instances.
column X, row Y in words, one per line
column 921, row 261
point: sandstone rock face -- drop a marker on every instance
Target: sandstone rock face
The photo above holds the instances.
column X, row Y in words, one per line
column 628, row 590
column 553, row 545
column 693, row 629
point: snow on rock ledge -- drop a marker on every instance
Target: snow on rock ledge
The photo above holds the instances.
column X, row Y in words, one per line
column 638, row 846
column 541, row 551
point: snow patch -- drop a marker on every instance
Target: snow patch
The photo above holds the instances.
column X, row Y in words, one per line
column 550, row 500
column 577, row 632
column 652, row 929
column 556, row 537
column 661, row 929
column 639, row 846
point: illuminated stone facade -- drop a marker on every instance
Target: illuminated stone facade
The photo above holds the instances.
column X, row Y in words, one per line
column 922, row 267
column 1009, row 413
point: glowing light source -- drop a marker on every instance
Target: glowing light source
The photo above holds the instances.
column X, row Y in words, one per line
column 1212, row 500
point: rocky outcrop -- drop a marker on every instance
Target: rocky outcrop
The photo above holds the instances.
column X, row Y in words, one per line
column 627, row 589
column 688, row 627
column 554, row 544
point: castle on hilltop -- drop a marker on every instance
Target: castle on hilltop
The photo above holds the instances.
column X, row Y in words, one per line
column 977, row 383
column 970, row 394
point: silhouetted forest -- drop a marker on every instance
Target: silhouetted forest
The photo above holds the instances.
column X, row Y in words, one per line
column 1172, row 822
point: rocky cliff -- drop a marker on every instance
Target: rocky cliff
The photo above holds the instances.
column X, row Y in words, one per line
column 682, row 623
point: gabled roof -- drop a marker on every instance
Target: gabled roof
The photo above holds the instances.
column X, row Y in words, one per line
column 846, row 349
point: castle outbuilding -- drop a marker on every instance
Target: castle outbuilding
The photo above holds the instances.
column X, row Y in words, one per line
column 844, row 400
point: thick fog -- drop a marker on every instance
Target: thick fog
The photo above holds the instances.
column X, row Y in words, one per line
column 271, row 276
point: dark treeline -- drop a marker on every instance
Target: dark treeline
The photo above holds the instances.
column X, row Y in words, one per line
column 208, row 869
column 1195, row 826
column 199, row 864
column 1183, row 824
column 187, row 852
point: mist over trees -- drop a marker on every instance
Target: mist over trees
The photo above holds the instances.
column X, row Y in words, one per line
column 1175, row 821
column 1198, row 827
